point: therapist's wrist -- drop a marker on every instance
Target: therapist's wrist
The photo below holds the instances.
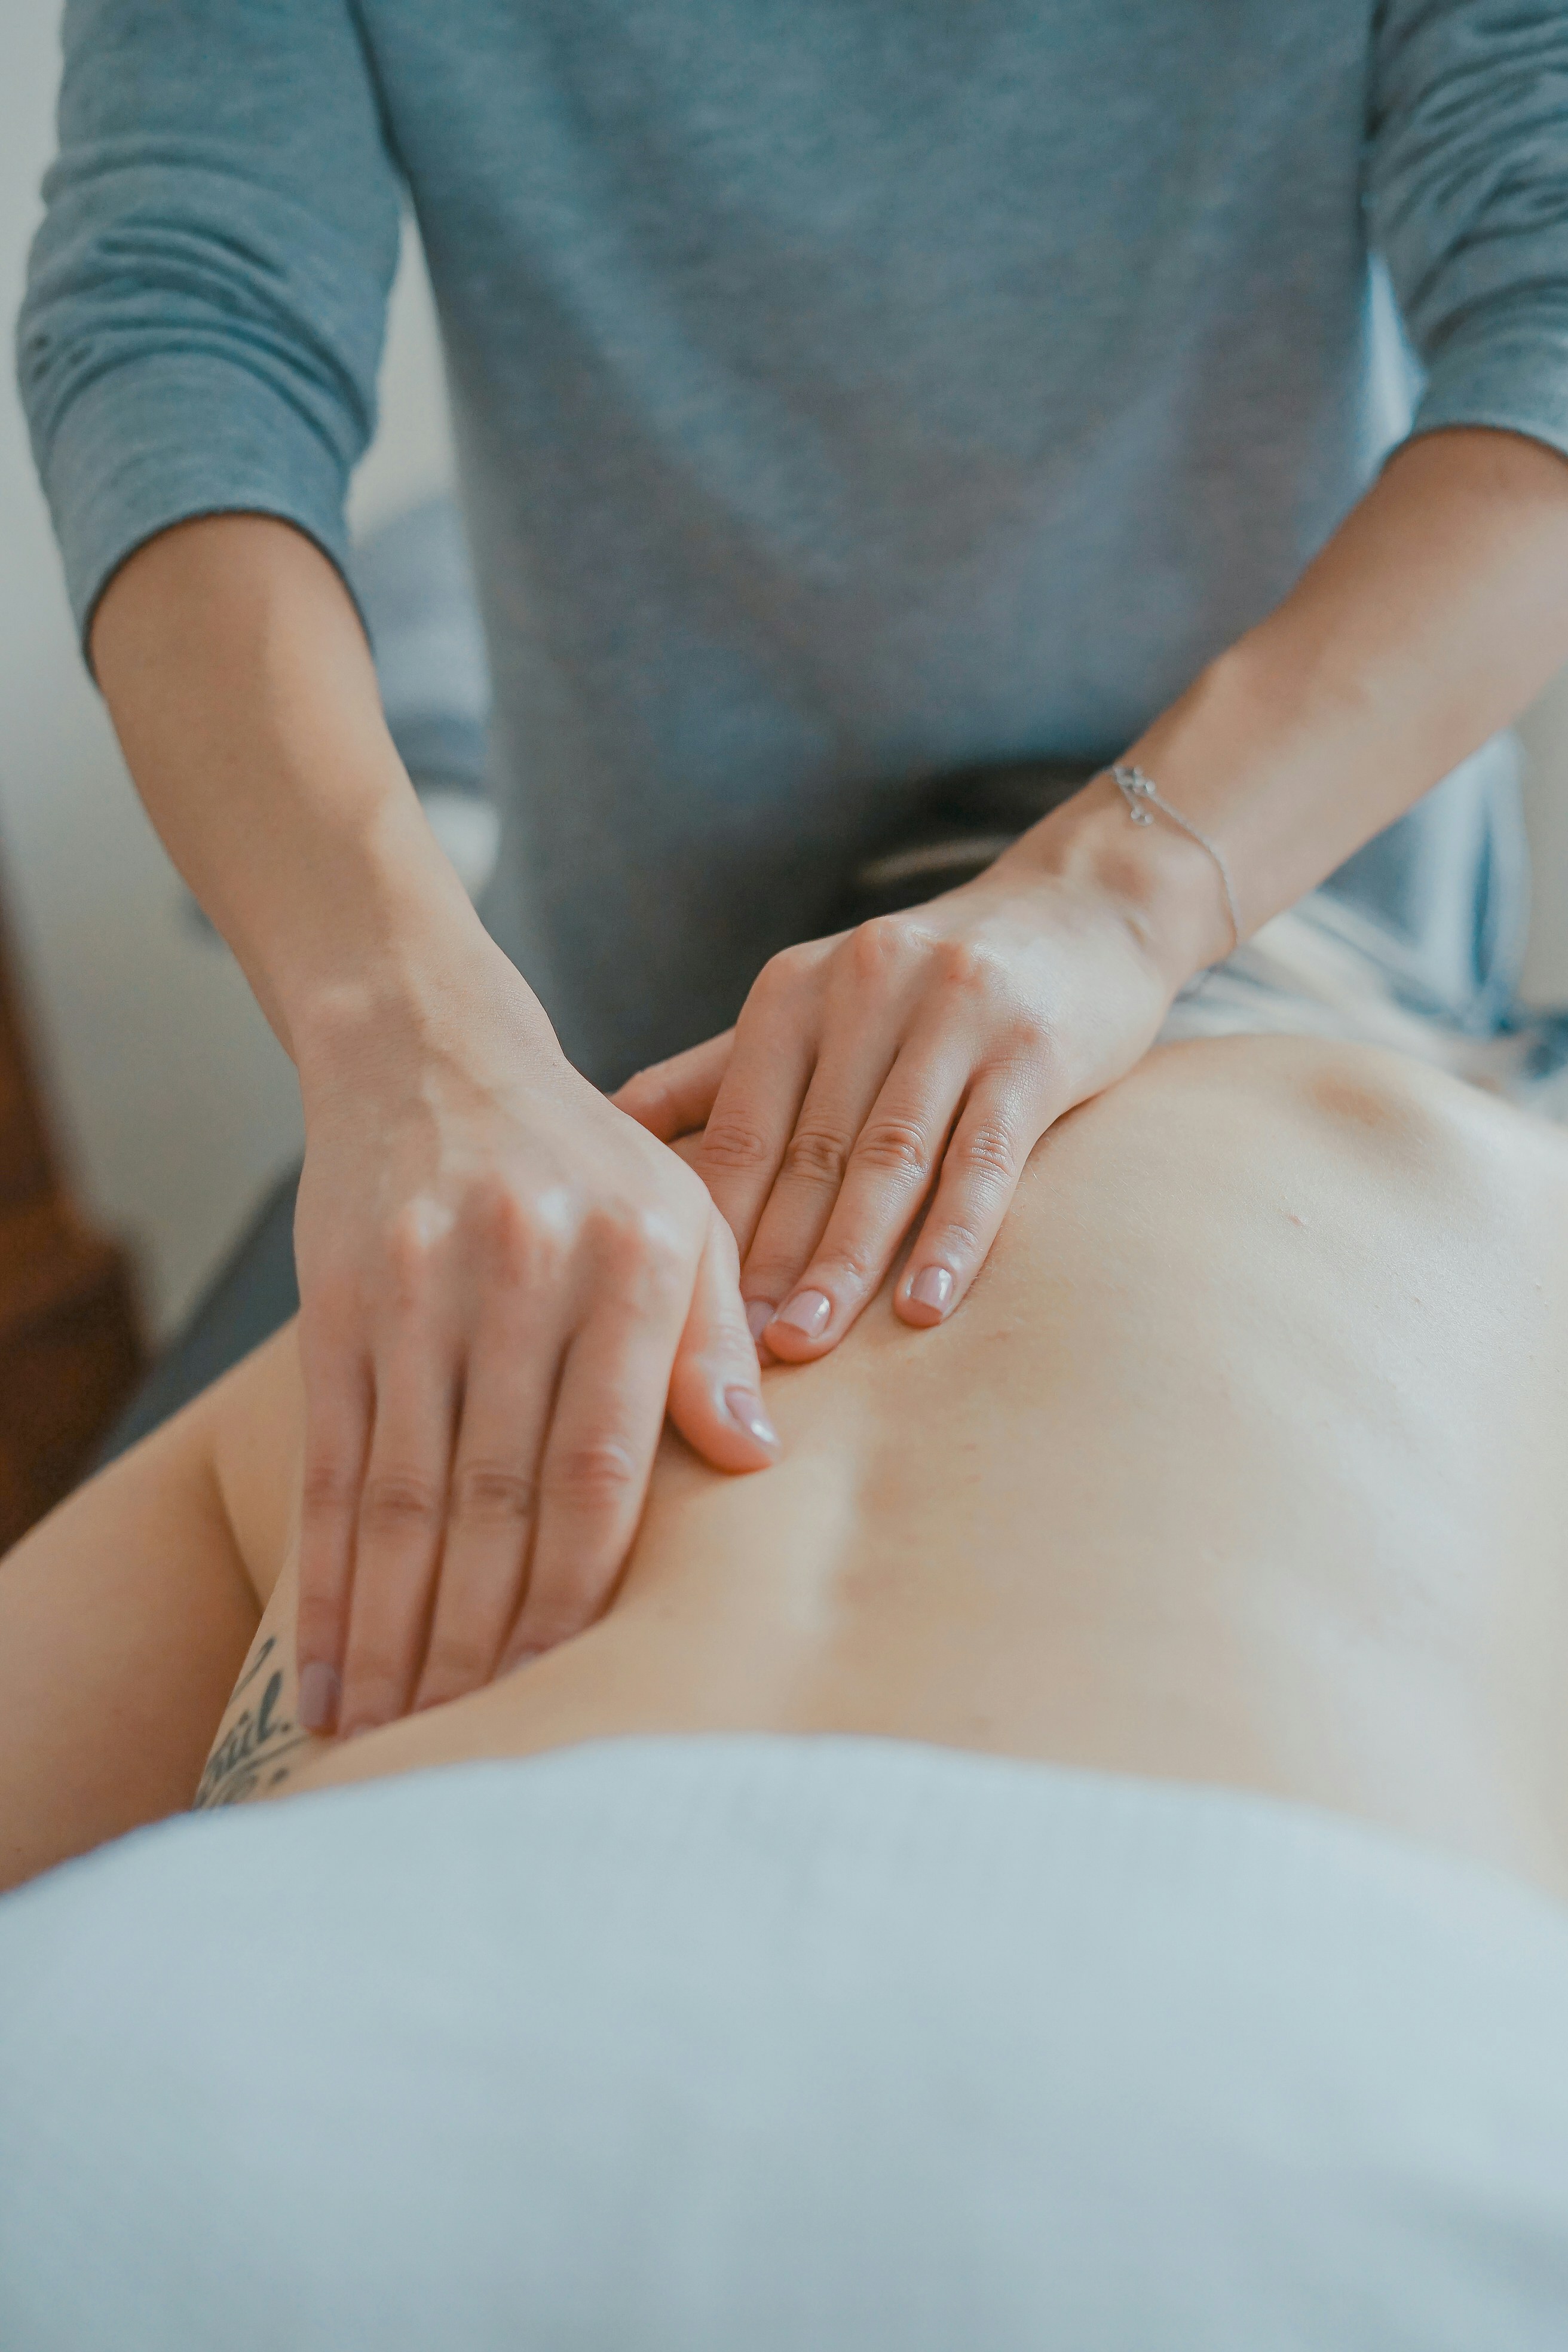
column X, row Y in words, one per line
column 1160, row 886
column 399, row 963
column 433, row 992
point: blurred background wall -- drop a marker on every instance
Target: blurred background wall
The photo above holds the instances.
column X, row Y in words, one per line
column 172, row 1104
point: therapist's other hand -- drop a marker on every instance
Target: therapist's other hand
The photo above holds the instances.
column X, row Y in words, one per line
column 917, row 1058
column 504, row 1278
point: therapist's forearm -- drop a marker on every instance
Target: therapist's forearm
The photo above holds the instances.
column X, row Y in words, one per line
column 1434, row 614
column 505, row 1283
column 245, row 698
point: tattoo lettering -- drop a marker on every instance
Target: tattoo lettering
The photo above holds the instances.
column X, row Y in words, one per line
column 251, row 1754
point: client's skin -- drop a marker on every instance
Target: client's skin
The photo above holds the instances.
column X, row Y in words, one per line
column 1243, row 1464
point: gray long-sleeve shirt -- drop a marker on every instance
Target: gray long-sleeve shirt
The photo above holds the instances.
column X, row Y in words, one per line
column 844, row 391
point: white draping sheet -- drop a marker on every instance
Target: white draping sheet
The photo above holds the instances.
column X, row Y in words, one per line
column 780, row 2045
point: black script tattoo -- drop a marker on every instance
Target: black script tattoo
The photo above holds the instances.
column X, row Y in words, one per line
column 252, row 1750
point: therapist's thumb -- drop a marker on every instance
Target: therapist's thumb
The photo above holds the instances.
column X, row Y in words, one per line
column 674, row 1098
column 715, row 1388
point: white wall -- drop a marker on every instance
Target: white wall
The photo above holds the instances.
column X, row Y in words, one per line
column 173, row 1103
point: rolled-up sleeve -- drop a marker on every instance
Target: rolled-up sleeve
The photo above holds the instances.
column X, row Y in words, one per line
column 1468, row 197
column 208, row 291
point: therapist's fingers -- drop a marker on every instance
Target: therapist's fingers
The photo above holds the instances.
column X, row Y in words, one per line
column 715, row 1394
column 845, row 1090
column 338, row 1406
column 492, row 1506
column 594, row 1472
column 822, row 1269
column 397, row 1534
column 674, row 1098
column 1004, row 1119
column 759, row 1098
column 604, row 1430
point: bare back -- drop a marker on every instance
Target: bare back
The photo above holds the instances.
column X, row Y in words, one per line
column 1243, row 1464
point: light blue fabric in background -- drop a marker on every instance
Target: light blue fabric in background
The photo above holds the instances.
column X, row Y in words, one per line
column 771, row 2045
column 845, row 392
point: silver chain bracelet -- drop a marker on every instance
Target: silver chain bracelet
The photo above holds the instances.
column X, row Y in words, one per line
column 1141, row 794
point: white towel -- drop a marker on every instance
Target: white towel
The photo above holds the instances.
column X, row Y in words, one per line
column 780, row 2045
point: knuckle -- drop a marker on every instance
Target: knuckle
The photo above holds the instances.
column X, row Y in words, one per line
column 875, row 948
column 989, row 1153
column 327, row 1488
column 410, row 1242
column 613, row 1239
column 817, row 1155
column 1032, row 1033
column 662, row 1246
column 954, row 1243
column 492, row 1494
column 784, row 972
column 965, row 968
column 898, row 1147
column 1027, row 1052
column 848, row 1265
column 639, row 1247
column 515, row 1248
column 595, row 1474
column 735, row 1144
column 399, row 1502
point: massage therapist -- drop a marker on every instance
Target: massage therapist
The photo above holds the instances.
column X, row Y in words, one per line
column 844, row 392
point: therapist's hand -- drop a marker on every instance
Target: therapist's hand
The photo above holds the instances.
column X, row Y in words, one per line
column 919, row 1057
column 504, row 1278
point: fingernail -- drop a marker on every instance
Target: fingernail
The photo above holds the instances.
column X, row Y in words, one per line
column 809, row 1312
column 932, row 1286
column 319, row 1691
column 745, row 1408
column 759, row 1315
